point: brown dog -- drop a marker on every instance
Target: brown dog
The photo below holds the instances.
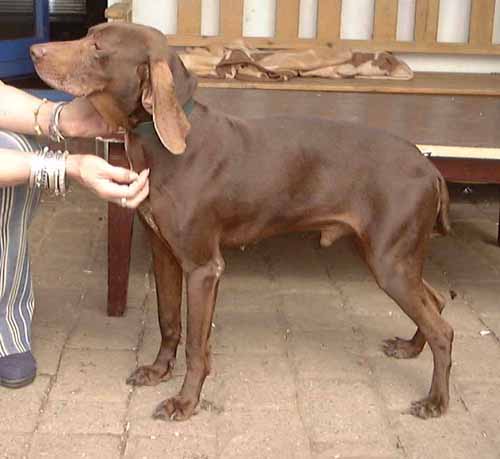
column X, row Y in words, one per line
column 218, row 180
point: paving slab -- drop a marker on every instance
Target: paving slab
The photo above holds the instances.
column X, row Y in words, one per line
column 346, row 413
column 46, row 445
column 82, row 417
column 20, row 409
column 455, row 435
column 263, row 434
column 93, row 375
column 14, row 446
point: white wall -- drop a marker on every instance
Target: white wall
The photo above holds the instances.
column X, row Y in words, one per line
column 357, row 23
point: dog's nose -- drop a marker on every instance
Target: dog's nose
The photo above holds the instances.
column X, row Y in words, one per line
column 37, row 52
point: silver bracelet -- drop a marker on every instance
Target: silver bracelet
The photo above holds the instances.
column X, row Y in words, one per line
column 54, row 130
column 48, row 171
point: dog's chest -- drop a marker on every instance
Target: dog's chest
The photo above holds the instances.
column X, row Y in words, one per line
column 135, row 152
column 139, row 161
column 146, row 212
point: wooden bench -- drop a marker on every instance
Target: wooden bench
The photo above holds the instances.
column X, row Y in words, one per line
column 459, row 132
column 328, row 34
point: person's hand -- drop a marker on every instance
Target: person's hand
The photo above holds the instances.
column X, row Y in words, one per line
column 109, row 182
column 79, row 118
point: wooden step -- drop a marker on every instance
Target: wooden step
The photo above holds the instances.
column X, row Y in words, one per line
column 422, row 83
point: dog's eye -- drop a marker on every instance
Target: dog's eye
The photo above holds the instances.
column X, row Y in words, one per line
column 99, row 53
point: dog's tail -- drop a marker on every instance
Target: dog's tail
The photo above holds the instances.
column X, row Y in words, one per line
column 443, row 226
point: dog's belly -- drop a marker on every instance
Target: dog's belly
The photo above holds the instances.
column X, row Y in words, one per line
column 331, row 226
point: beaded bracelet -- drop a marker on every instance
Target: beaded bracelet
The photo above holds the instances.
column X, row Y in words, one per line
column 37, row 128
column 48, row 171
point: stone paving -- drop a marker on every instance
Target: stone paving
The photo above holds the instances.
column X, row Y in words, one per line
column 297, row 372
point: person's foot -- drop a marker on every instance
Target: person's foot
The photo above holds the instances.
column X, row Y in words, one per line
column 17, row 370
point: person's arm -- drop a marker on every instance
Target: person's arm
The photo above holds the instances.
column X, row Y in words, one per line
column 78, row 119
column 17, row 113
column 108, row 182
column 15, row 167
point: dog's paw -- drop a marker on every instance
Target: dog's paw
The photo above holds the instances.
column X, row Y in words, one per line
column 175, row 409
column 149, row 375
column 427, row 408
column 400, row 348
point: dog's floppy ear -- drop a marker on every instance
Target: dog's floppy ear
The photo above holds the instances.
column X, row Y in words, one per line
column 159, row 99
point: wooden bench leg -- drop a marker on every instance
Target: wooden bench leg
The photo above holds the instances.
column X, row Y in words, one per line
column 120, row 222
column 498, row 229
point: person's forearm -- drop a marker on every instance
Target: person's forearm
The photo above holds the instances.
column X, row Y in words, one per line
column 17, row 111
column 15, row 167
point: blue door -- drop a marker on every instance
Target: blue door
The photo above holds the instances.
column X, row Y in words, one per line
column 22, row 23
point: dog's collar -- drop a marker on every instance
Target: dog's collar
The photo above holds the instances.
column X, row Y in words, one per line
column 147, row 127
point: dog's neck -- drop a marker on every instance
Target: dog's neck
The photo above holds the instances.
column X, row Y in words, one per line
column 111, row 111
column 147, row 132
column 146, row 128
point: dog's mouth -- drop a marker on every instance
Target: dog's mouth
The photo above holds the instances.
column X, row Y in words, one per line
column 59, row 82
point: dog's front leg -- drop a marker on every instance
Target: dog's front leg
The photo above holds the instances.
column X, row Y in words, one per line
column 168, row 276
column 202, row 284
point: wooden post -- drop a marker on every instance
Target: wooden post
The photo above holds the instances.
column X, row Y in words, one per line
column 231, row 18
column 426, row 21
column 120, row 222
column 329, row 14
column 482, row 17
column 287, row 19
column 386, row 20
column 189, row 18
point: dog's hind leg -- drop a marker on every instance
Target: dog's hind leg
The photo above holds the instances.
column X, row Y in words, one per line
column 168, row 276
column 401, row 348
column 400, row 278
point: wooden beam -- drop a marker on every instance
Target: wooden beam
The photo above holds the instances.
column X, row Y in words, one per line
column 386, row 20
column 231, row 15
column 364, row 45
column 287, row 19
column 481, row 22
column 329, row 15
column 422, row 83
column 189, row 17
column 426, row 21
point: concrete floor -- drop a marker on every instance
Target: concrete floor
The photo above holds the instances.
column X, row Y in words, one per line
column 297, row 372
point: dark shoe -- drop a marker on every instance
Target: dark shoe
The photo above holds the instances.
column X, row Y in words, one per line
column 17, row 370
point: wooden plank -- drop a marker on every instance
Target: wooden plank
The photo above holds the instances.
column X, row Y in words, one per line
column 426, row 21
column 287, row 19
column 481, row 22
column 463, row 170
column 386, row 19
column 231, row 23
column 373, row 45
column 189, row 17
column 423, row 83
column 329, row 15
column 451, row 151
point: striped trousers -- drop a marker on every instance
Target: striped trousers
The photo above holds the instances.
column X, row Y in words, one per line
column 17, row 206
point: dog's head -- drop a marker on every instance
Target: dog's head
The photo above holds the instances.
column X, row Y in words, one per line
column 123, row 69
